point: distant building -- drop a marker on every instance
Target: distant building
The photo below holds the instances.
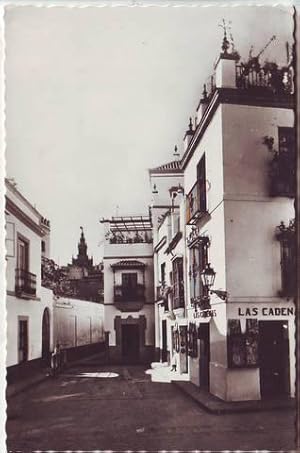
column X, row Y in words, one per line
column 168, row 246
column 29, row 306
column 83, row 279
column 128, row 289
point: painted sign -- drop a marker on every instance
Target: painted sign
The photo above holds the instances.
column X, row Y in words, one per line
column 266, row 311
column 205, row 313
column 63, row 304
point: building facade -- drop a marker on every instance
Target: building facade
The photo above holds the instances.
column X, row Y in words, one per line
column 239, row 238
column 29, row 306
column 128, row 289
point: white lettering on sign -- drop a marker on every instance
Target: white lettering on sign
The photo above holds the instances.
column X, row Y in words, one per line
column 266, row 311
column 205, row 314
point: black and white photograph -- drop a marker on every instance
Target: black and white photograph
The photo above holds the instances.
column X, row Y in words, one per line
column 149, row 219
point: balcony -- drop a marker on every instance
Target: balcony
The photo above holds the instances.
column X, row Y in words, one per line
column 25, row 284
column 129, row 299
column 282, row 175
column 162, row 293
column 267, row 78
column 195, row 204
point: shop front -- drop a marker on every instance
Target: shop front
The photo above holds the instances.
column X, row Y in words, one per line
column 261, row 340
column 201, row 325
column 179, row 349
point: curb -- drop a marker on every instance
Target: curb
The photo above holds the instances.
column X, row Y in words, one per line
column 285, row 406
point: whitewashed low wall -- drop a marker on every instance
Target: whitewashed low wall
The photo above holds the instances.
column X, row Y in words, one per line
column 77, row 322
column 32, row 311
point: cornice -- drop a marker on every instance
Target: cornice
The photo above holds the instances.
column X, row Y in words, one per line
column 24, row 218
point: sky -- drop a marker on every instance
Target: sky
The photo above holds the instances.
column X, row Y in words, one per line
column 97, row 96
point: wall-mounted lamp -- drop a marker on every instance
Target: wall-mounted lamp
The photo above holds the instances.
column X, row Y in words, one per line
column 208, row 276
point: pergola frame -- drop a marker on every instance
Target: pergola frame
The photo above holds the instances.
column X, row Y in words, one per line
column 128, row 224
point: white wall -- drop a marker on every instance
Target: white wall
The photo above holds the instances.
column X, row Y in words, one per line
column 33, row 311
column 245, row 156
column 253, row 267
column 210, row 144
column 77, row 322
column 163, row 183
column 34, row 254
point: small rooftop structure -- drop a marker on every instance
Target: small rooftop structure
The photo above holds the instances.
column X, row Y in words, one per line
column 129, row 229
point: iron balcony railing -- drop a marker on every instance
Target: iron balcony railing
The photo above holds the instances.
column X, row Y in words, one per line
column 195, row 203
column 127, row 294
column 282, row 173
column 25, row 283
column 278, row 81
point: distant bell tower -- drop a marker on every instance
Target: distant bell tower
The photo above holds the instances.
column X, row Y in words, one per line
column 82, row 247
column 82, row 259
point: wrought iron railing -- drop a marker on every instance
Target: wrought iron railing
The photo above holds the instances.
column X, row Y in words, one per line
column 282, row 173
column 286, row 235
column 274, row 79
column 25, row 283
column 127, row 294
column 195, row 203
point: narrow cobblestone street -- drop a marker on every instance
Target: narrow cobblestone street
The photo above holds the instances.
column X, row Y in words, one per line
column 129, row 411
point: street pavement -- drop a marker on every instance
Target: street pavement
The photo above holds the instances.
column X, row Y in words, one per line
column 89, row 409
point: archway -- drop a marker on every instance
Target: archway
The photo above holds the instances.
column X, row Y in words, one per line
column 46, row 337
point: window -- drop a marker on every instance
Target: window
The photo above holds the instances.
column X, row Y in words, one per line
column 43, row 246
column 201, row 177
column 178, row 283
column 196, row 205
column 23, row 340
column 10, row 239
column 25, row 282
column 129, row 286
column 287, row 239
column 129, row 280
column 198, row 262
column 283, row 164
column 23, row 254
column 163, row 274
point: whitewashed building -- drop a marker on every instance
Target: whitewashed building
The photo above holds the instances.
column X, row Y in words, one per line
column 37, row 317
column 128, row 289
column 239, row 258
column 29, row 306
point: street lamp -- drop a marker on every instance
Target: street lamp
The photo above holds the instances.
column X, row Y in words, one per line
column 208, row 276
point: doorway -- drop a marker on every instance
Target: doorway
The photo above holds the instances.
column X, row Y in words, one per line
column 164, row 353
column 274, row 358
column 23, row 340
column 46, row 337
column 204, row 359
column 130, row 343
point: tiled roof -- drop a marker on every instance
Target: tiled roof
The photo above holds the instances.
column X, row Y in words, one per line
column 170, row 167
column 129, row 263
